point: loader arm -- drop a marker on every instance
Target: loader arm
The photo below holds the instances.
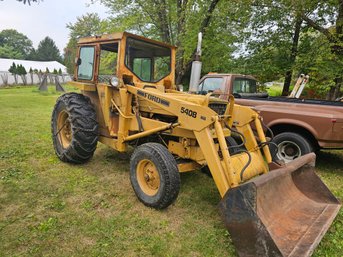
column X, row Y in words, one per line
column 207, row 125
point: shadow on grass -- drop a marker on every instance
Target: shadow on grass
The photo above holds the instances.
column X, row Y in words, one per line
column 199, row 187
column 194, row 185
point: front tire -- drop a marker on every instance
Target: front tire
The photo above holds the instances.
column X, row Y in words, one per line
column 289, row 146
column 154, row 175
column 74, row 128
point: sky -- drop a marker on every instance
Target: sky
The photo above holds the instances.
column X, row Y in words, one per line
column 47, row 18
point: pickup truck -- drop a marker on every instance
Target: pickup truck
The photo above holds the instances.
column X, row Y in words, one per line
column 298, row 126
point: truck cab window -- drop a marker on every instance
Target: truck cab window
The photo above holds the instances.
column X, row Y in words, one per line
column 149, row 62
column 243, row 85
column 108, row 62
column 85, row 69
column 212, row 85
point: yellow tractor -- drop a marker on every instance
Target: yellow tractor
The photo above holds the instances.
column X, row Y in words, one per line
column 129, row 98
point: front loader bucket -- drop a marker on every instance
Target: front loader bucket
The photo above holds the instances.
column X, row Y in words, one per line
column 285, row 212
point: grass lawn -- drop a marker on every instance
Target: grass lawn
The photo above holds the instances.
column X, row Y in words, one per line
column 50, row 208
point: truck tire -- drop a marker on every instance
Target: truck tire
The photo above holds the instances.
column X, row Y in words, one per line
column 230, row 141
column 154, row 175
column 74, row 128
column 289, row 146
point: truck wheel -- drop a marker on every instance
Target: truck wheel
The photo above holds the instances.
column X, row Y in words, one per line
column 154, row 175
column 289, row 146
column 74, row 128
column 230, row 141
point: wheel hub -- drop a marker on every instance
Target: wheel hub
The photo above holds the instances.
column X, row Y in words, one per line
column 148, row 177
column 64, row 131
column 288, row 151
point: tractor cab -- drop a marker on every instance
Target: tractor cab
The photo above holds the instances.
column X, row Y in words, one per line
column 119, row 58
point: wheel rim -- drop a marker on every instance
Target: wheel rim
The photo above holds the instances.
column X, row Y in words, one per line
column 288, row 151
column 148, row 177
column 64, row 129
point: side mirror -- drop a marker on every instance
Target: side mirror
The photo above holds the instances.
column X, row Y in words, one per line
column 77, row 61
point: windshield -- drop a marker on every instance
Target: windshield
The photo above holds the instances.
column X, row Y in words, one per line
column 147, row 61
column 244, row 85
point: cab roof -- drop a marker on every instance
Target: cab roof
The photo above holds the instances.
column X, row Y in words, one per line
column 118, row 36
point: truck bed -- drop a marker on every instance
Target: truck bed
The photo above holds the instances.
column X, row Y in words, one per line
column 293, row 100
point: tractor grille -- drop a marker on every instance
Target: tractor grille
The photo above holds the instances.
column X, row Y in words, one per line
column 219, row 108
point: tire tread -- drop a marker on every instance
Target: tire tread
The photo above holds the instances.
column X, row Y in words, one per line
column 84, row 128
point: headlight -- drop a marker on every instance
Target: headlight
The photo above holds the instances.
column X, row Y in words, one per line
column 114, row 82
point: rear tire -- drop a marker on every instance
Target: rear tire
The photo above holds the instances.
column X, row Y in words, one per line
column 154, row 175
column 74, row 128
column 289, row 146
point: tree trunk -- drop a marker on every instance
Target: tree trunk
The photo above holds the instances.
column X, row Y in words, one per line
column 5, row 78
column 164, row 26
column 287, row 83
column 293, row 56
column 338, row 84
column 23, row 78
column 184, row 68
column 338, row 49
column 15, row 78
column 39, row 75
column 330, row 93
column 181, row 10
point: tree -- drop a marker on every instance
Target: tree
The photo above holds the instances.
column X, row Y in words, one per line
column 9, row 52
column 14, row 71
column 48, row 51
column 271, row 40
column 86, row 25
column 174, row 22
column 21, row 71
column 17, row 43
column 32, row 55
column 278, row 29
column 49, row 75
column 39, row 75
column 324, row 14
column 31, row 75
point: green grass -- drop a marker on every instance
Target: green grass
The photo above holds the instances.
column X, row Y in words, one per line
column 50, row 208
column 274, row 90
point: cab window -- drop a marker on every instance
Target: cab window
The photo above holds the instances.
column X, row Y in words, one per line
column 141, row 67
column 108, row 62
column 244, row 85
column 148, row 61
column 85, row 69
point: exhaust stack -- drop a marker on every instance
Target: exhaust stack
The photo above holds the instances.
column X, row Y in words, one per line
column 196, row 67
